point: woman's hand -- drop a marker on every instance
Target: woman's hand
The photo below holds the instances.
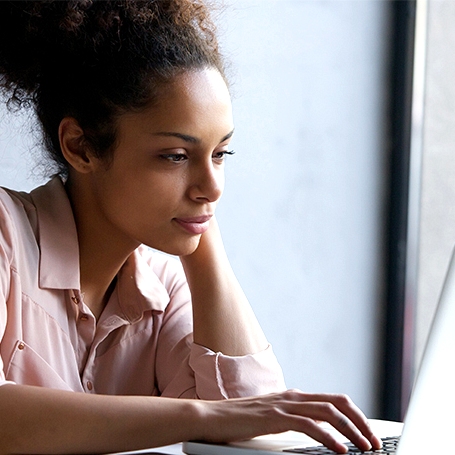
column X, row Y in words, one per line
column 244, row 418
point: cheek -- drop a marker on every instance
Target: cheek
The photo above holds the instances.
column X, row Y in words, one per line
column 115, row 195
column 141, row 201
column 138, row 195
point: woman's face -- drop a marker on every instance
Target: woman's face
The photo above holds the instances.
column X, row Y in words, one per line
column 167, row 172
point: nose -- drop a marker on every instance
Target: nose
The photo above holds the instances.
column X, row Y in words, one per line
column 207, row 182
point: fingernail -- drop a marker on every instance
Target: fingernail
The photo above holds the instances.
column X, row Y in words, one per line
column 376, row 442
column 366, row 445
column 341, row 448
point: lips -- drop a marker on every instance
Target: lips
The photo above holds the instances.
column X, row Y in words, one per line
column 195, row 225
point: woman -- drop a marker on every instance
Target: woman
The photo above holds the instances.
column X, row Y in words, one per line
column 136, row 115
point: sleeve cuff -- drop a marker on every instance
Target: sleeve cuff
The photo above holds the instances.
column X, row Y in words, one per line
column 219, row 376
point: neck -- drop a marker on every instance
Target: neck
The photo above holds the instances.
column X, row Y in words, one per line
column 102, row 250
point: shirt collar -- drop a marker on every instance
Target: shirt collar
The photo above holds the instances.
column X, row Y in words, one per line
column 59, row 248
column 139, row 289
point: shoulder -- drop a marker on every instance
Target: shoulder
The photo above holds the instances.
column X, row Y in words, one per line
column 17, row 205
column 17, row 215
column 12, row 201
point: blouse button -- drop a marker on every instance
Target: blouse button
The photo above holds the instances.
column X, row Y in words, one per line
column 21, row 346
column 75, row 299
column 84, row 317
column 89, row 385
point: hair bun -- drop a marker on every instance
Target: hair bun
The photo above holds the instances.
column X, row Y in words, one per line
column 20, row 49
column 32, row 36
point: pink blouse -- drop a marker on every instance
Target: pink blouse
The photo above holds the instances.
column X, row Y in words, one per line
column 142, row 343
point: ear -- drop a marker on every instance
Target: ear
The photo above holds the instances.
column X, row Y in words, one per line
column 74, row 147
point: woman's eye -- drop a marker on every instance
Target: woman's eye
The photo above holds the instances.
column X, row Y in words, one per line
column 220, row 156
column 174, row 157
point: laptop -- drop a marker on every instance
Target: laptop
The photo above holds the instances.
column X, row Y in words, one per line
column 430, row 419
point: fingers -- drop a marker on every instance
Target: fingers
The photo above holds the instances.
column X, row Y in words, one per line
column 347, row 407
column 341, row 413
column 356, row 416
column 325, row 411
column 317, row 432
column 298, row 411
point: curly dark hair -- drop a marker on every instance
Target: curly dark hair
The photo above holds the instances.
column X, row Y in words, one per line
column 95, row 59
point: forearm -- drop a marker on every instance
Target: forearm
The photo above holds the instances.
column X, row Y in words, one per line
column 40, row 420
column 223, row 318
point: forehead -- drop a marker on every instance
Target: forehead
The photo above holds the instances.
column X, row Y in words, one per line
column 204, row 84
column 191, row 102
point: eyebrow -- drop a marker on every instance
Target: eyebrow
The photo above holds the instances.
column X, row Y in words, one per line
column 188, row 138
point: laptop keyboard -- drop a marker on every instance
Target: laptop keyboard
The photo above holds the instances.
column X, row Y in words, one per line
column 389, row 446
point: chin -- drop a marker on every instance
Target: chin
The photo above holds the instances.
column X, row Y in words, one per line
column 180, row 249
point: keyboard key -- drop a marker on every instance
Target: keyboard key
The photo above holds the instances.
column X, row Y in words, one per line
column 389, row 447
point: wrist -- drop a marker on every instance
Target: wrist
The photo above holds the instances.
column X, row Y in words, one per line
column 202, row 419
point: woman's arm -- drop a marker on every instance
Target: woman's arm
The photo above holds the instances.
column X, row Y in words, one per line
column 40, row 420
column 223, row 319
column 186, row 369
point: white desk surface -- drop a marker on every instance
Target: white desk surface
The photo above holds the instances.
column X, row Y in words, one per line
column 174, row 449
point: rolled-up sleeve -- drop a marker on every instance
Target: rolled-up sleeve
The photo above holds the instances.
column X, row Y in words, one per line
column 218, row 376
